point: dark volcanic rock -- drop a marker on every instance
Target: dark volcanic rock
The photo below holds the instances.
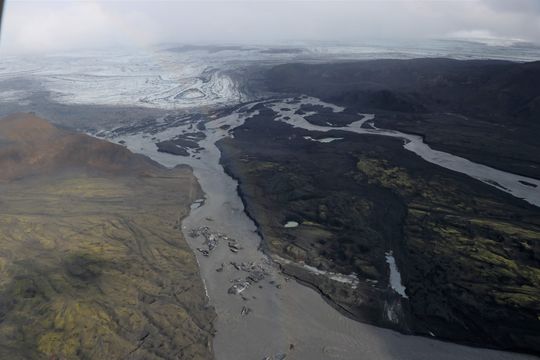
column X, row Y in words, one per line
column 181, row 144
column 171, row 147
column 468, row 253
column 483, row 110
column 326, row 117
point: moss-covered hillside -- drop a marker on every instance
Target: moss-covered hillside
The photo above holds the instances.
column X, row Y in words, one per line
column 92, row 264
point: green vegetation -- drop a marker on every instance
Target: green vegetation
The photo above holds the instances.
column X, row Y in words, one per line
column 456, row 230
column 468, row 254
column 93, row 265
column 378, row 172
column 93, row 268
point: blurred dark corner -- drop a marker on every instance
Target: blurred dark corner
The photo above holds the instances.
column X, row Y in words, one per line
column 1, row 9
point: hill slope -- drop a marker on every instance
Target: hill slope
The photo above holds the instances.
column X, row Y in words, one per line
column 93, row 263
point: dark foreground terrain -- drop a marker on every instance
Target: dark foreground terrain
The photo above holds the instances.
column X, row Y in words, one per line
column 93, row 263
column 468, row 254
column 486, row 111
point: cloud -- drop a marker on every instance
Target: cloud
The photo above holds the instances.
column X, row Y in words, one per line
column 484, row 37
column 60, row 25
column 56, row 25
column 516, row 6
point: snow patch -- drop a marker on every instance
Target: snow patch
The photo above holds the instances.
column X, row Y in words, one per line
column 395, row 276
column 324, row 140
column 351, row 279
column 291, row 224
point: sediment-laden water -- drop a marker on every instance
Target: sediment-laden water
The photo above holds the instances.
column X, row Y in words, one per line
column 260, row 313
column 519, row 186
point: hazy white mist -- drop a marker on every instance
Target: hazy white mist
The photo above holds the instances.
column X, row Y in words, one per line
column 49, row 26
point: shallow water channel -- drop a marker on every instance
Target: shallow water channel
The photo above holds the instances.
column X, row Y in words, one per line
column 274, row 316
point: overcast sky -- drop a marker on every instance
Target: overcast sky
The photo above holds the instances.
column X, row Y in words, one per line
column 41, row 25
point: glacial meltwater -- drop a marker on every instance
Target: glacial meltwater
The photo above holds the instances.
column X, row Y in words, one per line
column 271, row 316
